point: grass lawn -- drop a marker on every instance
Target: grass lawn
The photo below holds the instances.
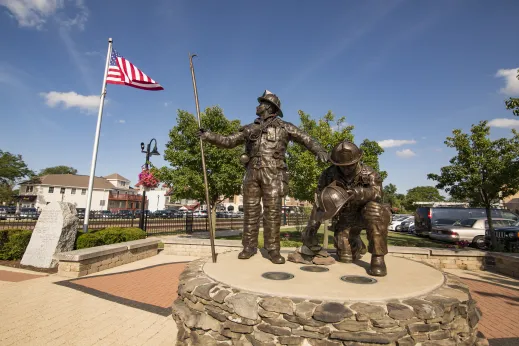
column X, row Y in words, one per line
column 290, row 237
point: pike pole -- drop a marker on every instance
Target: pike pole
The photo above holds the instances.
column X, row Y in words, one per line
column 210, row 219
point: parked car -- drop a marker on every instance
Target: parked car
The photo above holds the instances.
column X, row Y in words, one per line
column 124, row 214
column 425, row 218
column 200, row 214
column 404, row 226
column 471, row 230
column 3, row 212
column 80, row 213
column 27, row 214
column 167, row 214
column 398, row 227
column 397, row 220
column 105, row 214
column 509, row 236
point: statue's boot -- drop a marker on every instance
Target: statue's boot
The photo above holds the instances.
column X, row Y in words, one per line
column 275, row 257
column 358, row 248
column 247, row 253
column 378, row 266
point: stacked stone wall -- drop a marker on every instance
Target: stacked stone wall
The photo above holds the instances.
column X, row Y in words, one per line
column 208, row 312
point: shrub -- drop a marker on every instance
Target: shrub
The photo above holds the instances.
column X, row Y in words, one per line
column 88, row 240
column 13, row 243
column 110, row 235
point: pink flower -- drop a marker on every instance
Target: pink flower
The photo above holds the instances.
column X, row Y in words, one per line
column 147, row 179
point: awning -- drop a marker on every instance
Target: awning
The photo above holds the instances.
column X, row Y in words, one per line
column 26, row 198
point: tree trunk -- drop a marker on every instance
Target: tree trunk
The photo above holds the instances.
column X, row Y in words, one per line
column 493, row 238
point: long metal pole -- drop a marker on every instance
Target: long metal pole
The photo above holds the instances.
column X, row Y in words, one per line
column 96, row 140
column 143, row 201
column 210, row 219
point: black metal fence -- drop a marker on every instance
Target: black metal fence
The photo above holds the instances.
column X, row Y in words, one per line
column 154, row 225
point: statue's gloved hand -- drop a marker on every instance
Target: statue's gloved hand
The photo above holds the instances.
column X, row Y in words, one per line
column 323, row 156
column 202, row 133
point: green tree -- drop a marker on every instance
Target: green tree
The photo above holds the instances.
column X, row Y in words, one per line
column 57, row 170
column 483, row 170
column 513, row 103
column 185, row 175
column 12, row 170
column 396, row 200
column 372, row 151
column 304, row 169
column 422, row 194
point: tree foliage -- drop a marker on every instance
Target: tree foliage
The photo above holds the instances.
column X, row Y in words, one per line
column 304, row 169
column 372, row 151
column 185, row 175
column 57, row 170
column 394, row 199
column 513, row 103
column 422, row 194
column 12, row 170
column 483, row 170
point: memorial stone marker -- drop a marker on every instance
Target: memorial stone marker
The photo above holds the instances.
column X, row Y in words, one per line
column 55, row 232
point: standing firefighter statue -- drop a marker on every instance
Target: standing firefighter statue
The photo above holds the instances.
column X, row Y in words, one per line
column 349, row 193
column 266, row 177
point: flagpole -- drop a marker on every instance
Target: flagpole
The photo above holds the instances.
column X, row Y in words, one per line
column 210, row 219
column 96, row 140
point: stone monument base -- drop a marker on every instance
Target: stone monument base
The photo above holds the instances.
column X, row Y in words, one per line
column 254, row 302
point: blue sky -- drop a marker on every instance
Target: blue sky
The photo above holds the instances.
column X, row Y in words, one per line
column 404, row 73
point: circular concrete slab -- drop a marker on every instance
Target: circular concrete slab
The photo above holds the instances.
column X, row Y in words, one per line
column 405, row 278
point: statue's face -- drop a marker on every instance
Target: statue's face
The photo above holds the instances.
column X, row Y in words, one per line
column 262, row 109
column 348, row 170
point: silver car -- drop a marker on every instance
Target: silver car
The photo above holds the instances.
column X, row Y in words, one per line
column 471, row 230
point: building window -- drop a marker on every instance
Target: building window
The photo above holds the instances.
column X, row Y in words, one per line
column 72, row 191
column 123, row 183
column 29, row 188
column 83, row 191
column 51, row 189
column 62, row 190
column 102, row 203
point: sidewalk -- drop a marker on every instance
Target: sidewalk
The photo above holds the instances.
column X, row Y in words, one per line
column 130, row 305
column 498, row 298
column 121, row 306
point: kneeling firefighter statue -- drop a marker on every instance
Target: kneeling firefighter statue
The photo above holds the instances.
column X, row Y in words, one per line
column 266, row 177
column 349, row 193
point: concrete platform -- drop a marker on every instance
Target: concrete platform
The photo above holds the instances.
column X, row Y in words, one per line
column 405, row 279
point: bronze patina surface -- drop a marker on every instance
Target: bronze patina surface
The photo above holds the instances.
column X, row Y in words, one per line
column 266, row 177
column 349, row 193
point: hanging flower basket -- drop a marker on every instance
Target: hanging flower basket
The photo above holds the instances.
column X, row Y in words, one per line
column 147, row 180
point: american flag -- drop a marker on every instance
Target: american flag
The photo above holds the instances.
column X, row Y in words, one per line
column 121, row 71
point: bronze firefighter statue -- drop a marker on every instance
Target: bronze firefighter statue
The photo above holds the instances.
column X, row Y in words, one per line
column 266, row 177
column 349, row 193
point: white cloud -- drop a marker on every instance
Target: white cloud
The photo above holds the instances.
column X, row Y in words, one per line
column 512, row 83
column 504, row 122
column 406, row 153
column 35, row 13
column 71, row 99
column 121, row 121
column 390, row 143
column 166, row 104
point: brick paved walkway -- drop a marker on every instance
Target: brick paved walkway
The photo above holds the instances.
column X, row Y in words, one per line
column 7, row 275
column 500, row 311
column 45, row 311
column 151, row 289
column 129, row 305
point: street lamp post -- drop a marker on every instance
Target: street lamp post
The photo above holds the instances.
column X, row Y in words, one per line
column 148, row 154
